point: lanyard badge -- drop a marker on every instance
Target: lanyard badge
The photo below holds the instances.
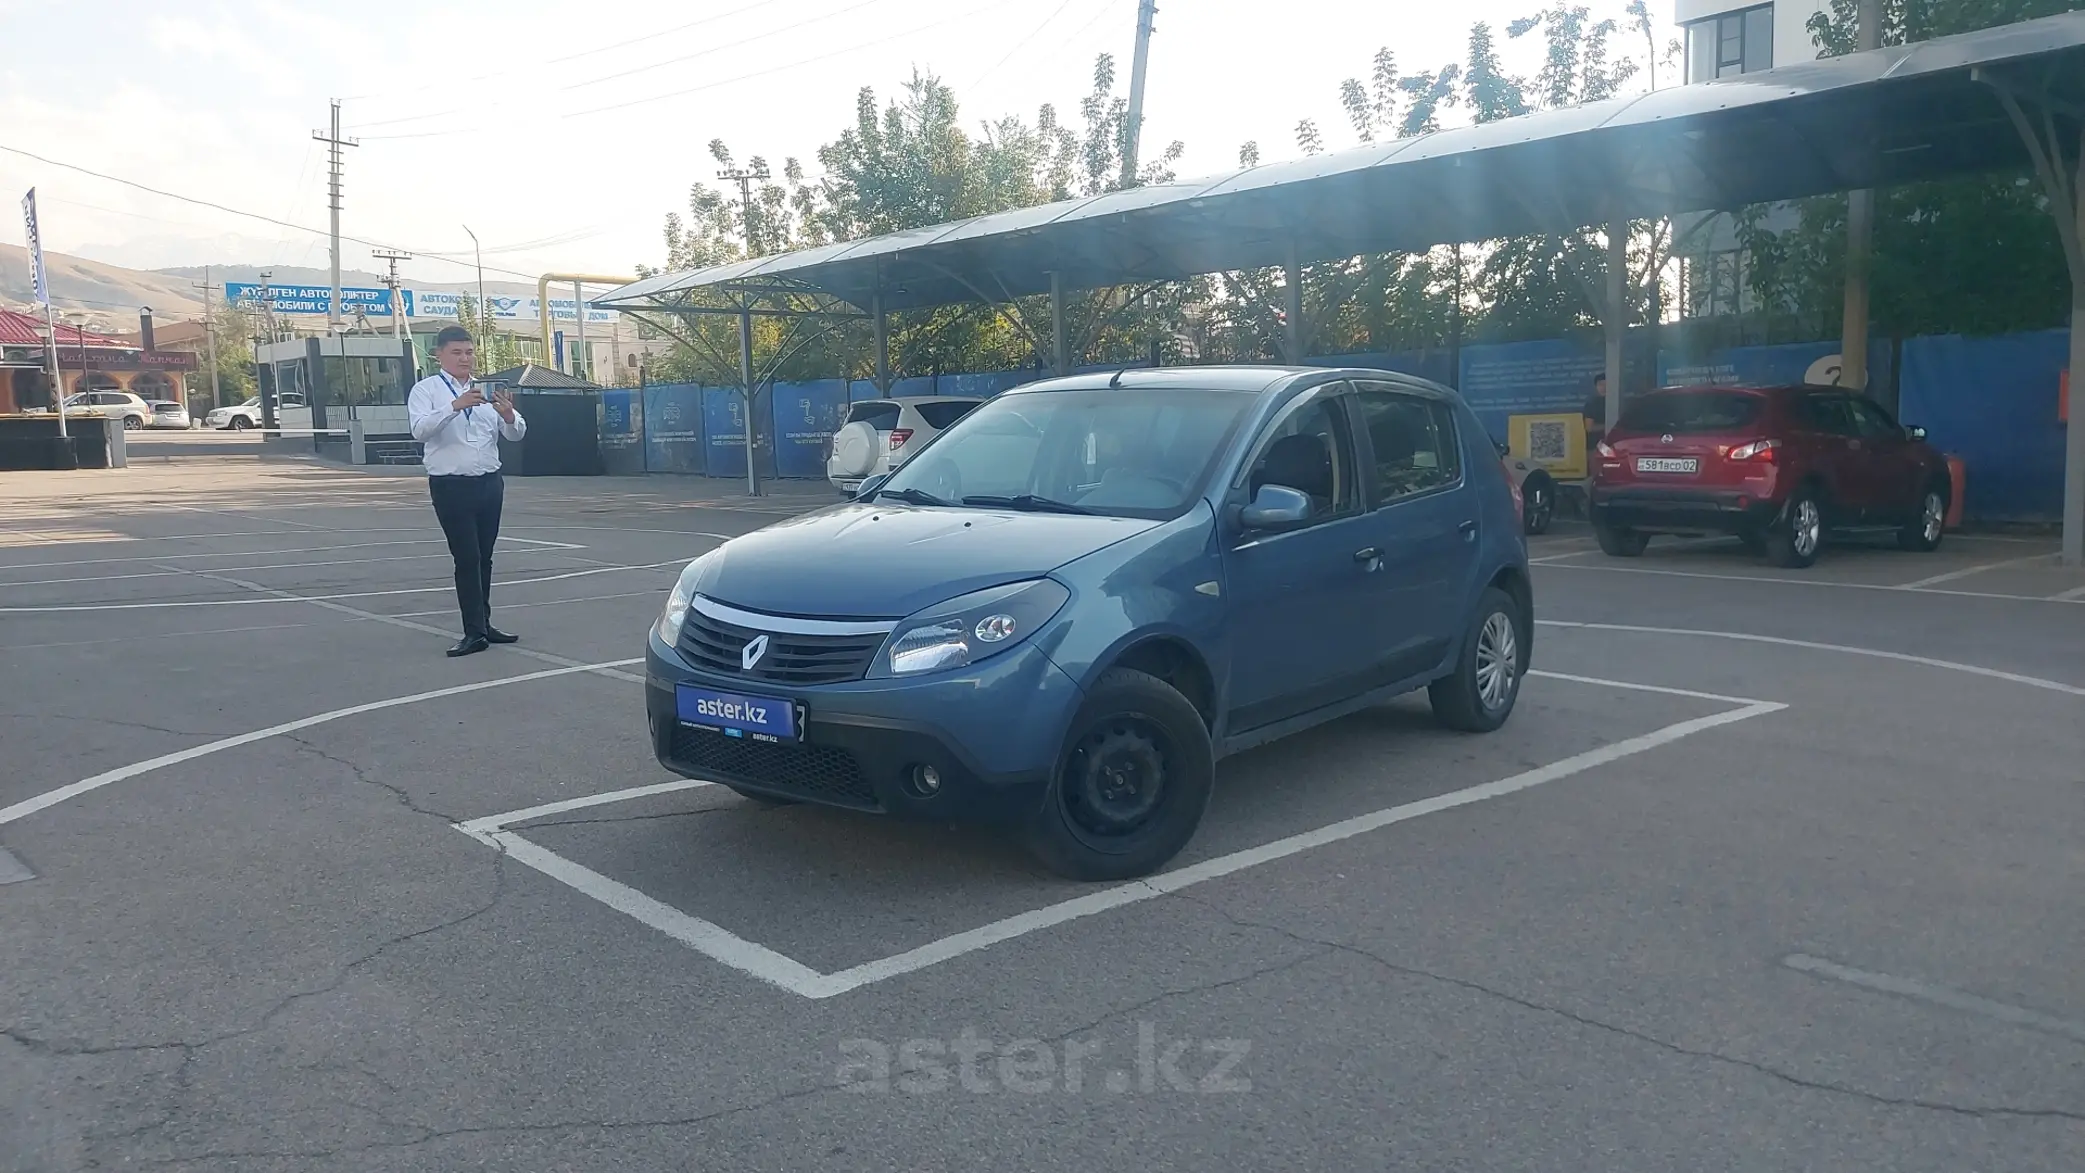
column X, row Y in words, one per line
column 453, row 390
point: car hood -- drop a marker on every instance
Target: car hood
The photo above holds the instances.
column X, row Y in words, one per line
column 888, row 560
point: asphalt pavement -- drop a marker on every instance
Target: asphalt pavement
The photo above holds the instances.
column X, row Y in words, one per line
column 1770, row 870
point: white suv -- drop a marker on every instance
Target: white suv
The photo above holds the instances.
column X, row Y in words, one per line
column 880, row 433
column 132, row 410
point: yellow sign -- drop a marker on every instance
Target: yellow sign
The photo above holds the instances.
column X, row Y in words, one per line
column 1554, row 442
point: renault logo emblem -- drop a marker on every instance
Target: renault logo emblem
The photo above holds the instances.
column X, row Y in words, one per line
column 753, row 652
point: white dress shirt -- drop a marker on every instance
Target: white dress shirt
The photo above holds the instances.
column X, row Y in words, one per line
column 457, row 443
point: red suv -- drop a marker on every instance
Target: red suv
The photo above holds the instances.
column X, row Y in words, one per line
column 1778, row 467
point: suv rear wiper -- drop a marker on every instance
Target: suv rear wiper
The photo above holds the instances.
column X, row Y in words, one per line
column 913, row 496
column 1028, row 502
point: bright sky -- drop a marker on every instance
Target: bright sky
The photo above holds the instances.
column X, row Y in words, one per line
column 562, row 133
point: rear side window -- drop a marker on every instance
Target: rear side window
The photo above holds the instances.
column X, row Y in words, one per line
column 1695, row 411
column 883, row 415
column 940, row 415
column 1413, row 440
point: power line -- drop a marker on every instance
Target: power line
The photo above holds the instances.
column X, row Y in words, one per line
column 202, row 203
column 1020, row 44
column 532, row 66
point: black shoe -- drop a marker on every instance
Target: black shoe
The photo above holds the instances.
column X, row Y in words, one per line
column 495, row 635
column 469, row 645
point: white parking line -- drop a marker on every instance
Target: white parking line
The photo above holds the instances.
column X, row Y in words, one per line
column 750, row 957
column 2071, row 596
column 289, row 598
column 1938, row 995
column 1965, row 572
column 257, row 566
column 51, row 798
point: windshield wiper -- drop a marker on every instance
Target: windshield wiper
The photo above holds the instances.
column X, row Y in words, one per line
column 912, row 496
column 1028, row 502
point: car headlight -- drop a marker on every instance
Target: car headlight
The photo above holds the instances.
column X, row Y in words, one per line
column 676, row 613
column 971, row 627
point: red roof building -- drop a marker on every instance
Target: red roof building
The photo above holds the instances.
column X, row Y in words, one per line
column 86, row 362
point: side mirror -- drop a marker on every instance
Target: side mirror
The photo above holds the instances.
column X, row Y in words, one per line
column 1276, row 507
column 867, row 488
column 1915, row 432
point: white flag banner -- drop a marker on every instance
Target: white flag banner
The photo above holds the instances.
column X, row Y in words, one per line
column 43, row 289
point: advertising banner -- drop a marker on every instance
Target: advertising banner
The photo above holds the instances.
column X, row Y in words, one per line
column 806, row 416
column 724, row 431
column 673, row 428
column 1994, row 402
column 622, row 432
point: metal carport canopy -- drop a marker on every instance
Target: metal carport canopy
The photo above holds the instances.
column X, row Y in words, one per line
column 1874, row 119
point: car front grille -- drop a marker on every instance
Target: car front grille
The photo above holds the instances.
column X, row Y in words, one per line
column 818, row 772
column 717, row 647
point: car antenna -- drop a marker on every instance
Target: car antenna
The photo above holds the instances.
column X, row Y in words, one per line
column 1115, row 380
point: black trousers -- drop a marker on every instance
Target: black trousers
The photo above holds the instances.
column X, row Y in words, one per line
column 469, row 510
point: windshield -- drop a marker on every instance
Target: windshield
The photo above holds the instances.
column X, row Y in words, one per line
column 1141, row 453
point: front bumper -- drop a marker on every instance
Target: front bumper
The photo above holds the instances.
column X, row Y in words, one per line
column 1683, row 510
column 992, row 732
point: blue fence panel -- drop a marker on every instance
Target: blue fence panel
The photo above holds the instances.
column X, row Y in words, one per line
column 1768, row 366
column 622, row 432
column 1992, row 402
column 1425, row 364
column 673, row 428
column 724, row 431
column 806, row 416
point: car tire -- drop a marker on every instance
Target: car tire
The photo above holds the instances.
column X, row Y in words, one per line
column 1793, row 541
column 1923, row 533
column 1538, row 503
column 1479, row 695
column 132, row 423
column 240, row 423
column 1620, row 541
column 1134, row 724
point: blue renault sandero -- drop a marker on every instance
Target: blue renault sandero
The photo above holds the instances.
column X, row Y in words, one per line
column 1061, row 612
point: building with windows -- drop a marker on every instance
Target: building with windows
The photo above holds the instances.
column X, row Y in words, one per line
column 86, row 362
column 1724, row 39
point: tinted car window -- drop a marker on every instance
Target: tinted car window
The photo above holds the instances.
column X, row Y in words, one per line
column 1414, row 442
column 940, row 415
column 1143, row 453
column 1872, row 419
column 1310, row 451
column 1692, row 411
column 883, row 415
column 1831, row 414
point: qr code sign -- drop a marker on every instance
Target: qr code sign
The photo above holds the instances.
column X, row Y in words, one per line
column 1547, row 441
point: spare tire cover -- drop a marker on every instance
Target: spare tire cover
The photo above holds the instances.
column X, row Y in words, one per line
column 854, row 449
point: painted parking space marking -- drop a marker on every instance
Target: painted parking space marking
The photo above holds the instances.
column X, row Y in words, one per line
column 1937, row 995
column 1967, row 571
column 1776, row 580
column 786, row 973
column 285, row 597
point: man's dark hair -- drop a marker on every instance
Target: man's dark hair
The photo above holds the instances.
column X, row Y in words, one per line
column 450, row 334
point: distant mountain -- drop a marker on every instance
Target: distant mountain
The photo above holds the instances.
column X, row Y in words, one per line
column 109, row 293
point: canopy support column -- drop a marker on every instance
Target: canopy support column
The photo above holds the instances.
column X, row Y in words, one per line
column 1059, row 342
column 2059, row 162
column 1616, row 313
column 882, row 345
column 745, row 377
column 1292, row 307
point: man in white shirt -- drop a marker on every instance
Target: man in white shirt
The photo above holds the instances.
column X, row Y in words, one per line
column 459, row 432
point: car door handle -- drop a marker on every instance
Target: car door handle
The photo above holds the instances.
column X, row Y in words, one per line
column 1367, row 556
column 1468, row 530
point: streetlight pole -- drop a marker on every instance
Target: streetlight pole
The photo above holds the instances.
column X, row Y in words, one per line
column 484, row 315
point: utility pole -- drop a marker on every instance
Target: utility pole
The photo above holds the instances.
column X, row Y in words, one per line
column 391, row 283
column 333, row 143
column 1860, row 237
column 210, row 339
column 1134, row 125
column 744, row 179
